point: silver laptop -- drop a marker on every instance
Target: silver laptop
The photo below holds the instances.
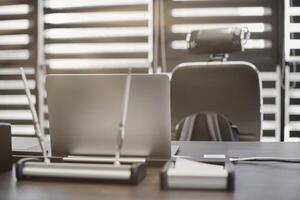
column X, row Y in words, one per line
column 85, row 112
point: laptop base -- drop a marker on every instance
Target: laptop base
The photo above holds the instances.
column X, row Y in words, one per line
column 32, row 168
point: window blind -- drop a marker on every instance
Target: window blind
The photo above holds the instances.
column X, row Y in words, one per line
column 92, row 35
column 292, row 75
column 18, row 48
column 260, row 16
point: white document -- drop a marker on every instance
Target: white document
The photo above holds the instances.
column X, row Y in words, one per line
column 187, row 164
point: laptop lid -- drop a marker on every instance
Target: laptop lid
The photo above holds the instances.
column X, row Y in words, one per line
column 85, row 112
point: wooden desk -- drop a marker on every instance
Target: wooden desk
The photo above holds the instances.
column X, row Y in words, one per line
column 254, row 181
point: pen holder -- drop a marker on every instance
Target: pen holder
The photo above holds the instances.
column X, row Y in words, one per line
column 198, row 179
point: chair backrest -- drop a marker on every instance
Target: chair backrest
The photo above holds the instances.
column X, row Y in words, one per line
column 230, row 88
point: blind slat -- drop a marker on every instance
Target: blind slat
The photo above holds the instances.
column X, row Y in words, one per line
column 113, row 8
column 223, row 19
column 13, row 107
column 15, row 77
column 14, row 47
column 17, row 121
column 96, row 40
column 98, row 24
column 219, row 3
column 14, row 63
column 17, row 91
column 14, row 2
column 96, row 55
column 263, row 35
column 16, row 16
column 16, row 32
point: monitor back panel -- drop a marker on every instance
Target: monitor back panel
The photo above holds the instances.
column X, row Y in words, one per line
column 85, row 112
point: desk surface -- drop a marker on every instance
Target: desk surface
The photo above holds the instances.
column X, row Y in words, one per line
column 265, row 180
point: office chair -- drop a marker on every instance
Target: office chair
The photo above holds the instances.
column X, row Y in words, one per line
column 231, row 88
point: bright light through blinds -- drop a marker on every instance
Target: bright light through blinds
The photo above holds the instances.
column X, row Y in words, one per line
column 13, row 71
column 97, row 32
column 96, row 63
column 96, row 17
column 251, row 44
column 294, row 27
column 14, row 39
column 17, row 48
column 14, row 24
column 14, row 54
column 13, row 9
column 85, row 3
column 228, row 11
column 22, row 129
column 15, row 84
column 85, row 34
column 294, row 44
column 15, row 115
column 97, row 48
column 15, row 99
column 187, row 13
column 253, row 27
